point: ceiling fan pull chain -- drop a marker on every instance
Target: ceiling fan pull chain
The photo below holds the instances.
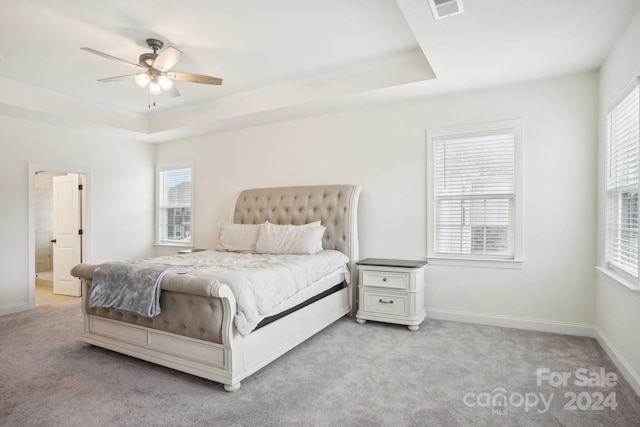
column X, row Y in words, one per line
column 150, row 103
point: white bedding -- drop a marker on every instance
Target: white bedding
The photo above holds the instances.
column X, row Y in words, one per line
column 260, row 282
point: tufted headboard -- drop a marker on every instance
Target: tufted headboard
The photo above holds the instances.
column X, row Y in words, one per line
column 336, row 206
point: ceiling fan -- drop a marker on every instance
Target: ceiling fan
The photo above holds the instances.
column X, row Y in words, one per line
column 153, row 70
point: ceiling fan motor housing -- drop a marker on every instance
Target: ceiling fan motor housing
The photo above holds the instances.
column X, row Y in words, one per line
column 146, row 59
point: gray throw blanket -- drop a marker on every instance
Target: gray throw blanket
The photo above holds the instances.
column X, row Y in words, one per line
column 130, row 286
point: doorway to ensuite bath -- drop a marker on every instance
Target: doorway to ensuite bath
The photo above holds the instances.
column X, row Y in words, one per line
column 57, row 236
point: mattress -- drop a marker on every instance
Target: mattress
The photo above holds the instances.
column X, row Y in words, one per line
column 331, row 283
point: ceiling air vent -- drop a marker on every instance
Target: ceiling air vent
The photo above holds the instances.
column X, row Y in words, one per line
column 443, row 8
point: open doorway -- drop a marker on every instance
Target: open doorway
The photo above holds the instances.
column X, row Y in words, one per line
column 58, row 226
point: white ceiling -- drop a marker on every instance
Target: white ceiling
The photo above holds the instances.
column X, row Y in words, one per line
column 282, row 59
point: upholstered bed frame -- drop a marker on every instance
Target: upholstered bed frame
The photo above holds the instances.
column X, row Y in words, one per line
column 195, row 332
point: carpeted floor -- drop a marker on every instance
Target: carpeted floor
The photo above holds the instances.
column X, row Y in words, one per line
column 446, row 374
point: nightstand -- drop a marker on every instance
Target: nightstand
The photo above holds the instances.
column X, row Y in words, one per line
column 189, row 251
column 391, row 290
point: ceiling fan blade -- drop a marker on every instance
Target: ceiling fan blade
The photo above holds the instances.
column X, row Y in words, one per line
column 167, row 59
column 172, row 92
column 117, row 79
column 194, row 78
column 113, row 58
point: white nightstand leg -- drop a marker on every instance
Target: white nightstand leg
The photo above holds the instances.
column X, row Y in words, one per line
column 413, row 327
column 361, row 321
column 232, row 388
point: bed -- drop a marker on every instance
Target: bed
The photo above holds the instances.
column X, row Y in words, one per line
column 195, row 331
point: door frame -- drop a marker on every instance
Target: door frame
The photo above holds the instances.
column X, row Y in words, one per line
column 86, row 217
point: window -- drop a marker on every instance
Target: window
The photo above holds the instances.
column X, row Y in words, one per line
column 474, row 195
column 174, row 205
column 622, row 169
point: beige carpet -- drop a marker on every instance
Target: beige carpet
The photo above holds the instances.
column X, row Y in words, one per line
column 446, row 374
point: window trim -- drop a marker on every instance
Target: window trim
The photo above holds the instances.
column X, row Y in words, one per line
column 467, row 260
column 163, row 167
column 605, row 267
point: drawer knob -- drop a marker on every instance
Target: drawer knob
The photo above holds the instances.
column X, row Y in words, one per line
column 385, row 302
column 384, row 279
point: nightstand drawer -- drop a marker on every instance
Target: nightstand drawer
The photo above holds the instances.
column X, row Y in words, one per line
column 380, row 302
column 385, row 279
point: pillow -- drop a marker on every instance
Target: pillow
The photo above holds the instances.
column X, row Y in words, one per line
column 290, row 239
column 238, row 237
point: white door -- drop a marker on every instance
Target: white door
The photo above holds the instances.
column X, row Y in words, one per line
column 66, row 233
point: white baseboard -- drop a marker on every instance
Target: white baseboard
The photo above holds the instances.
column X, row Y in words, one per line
column 567, row 328
column 556, row 327
column 625, row 369
column 10, row 309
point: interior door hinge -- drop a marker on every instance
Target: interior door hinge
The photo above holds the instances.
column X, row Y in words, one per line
column 79, row 186
column 80, row 231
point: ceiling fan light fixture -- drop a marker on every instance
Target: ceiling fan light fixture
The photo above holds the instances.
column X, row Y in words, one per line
column 142, row 80
column 155, row 88
column 165, row 82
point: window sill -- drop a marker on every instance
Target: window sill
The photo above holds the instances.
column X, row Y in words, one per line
column 483, row 263
column 619, row 279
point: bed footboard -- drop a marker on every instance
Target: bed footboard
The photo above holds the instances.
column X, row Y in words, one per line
column 228, row 362
column 190, row 306
column 192, row 334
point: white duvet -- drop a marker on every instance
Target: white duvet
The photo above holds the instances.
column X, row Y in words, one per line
column 260, row 282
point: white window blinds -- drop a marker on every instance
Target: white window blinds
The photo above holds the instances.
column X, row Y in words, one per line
column 475, row 194
column 174, row 206
column 622, row 184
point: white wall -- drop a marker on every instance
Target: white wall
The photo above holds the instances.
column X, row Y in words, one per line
column 384, row 148
column 618, row 309
column 121, row 195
